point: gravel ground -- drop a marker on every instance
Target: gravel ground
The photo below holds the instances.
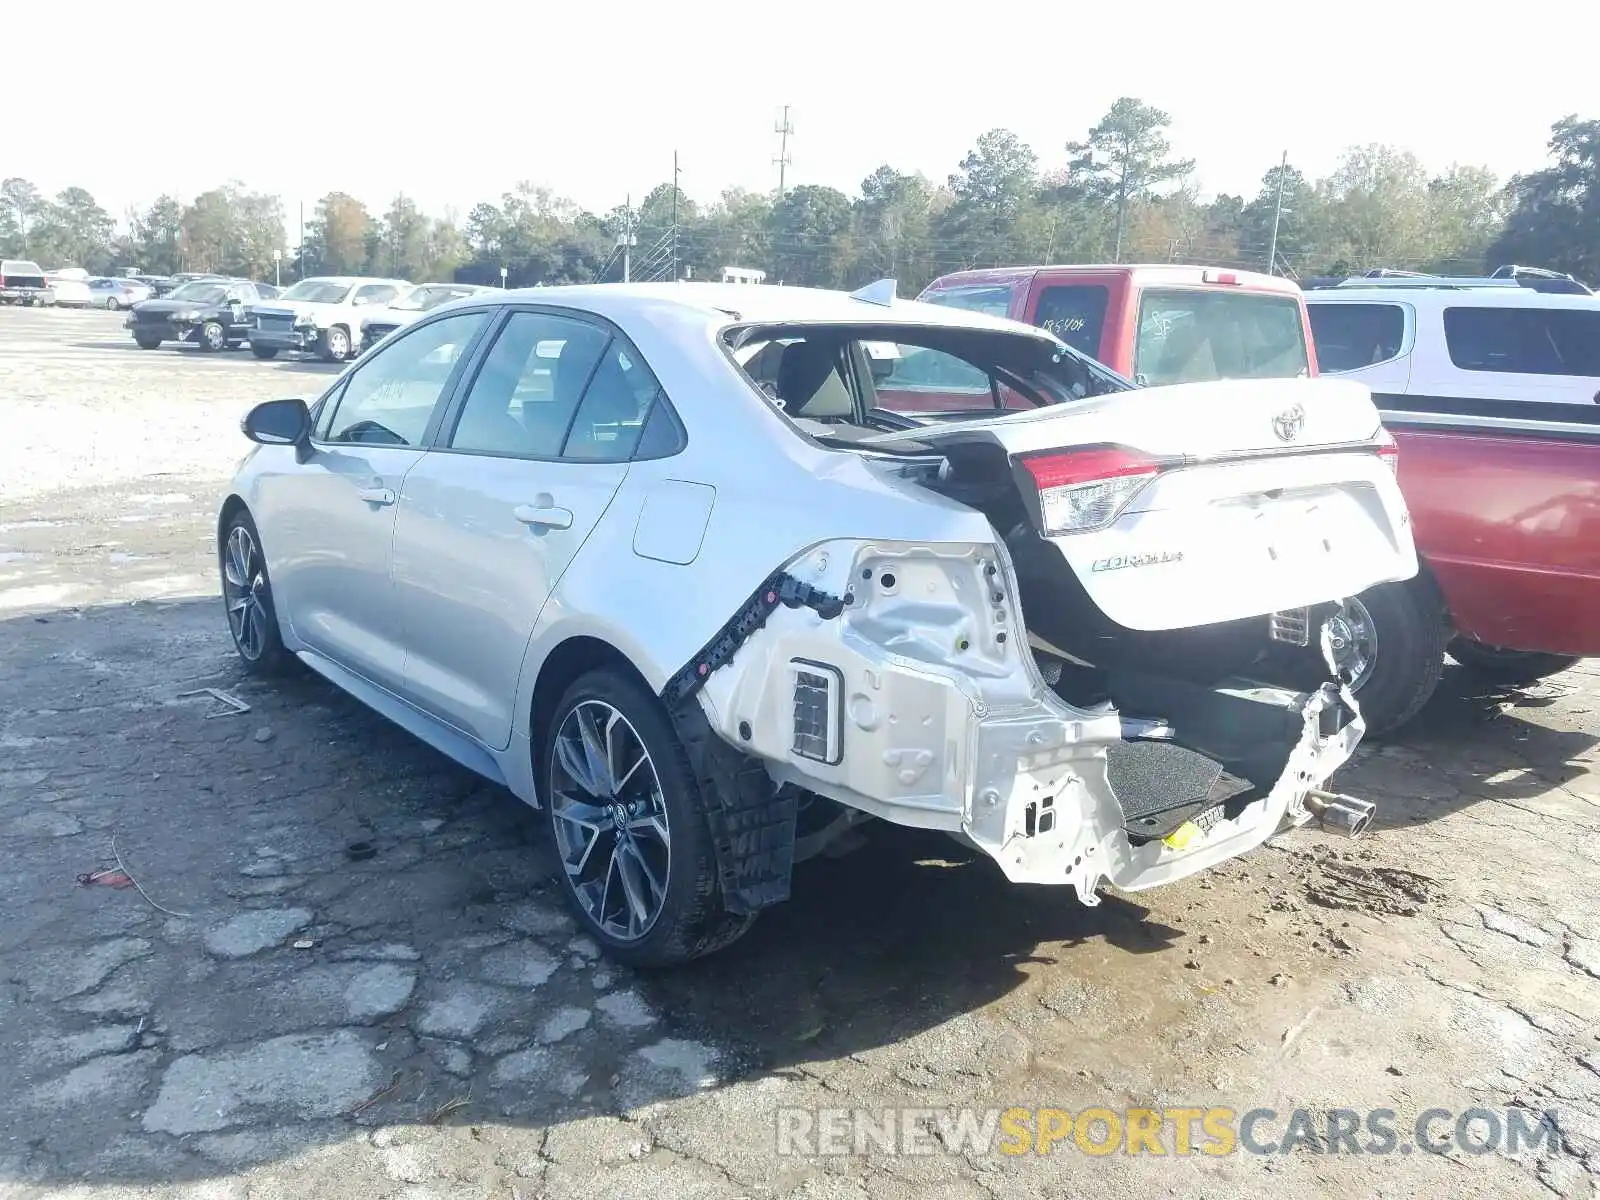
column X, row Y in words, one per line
column 272, row 1015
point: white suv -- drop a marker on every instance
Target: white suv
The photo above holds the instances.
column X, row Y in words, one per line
column 1459, row 341
column 321, row 315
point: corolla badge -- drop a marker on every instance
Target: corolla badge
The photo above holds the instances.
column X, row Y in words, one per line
column 1288, row 424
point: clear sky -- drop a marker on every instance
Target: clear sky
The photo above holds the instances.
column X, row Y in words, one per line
column 455, row 102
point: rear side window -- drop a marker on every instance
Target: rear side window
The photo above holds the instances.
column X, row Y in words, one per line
column 1075, row 314
column 1191, row 336
column 1352, row 336
column 1524, row 341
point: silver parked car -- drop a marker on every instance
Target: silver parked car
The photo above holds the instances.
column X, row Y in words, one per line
column 118, row 292
column 655, row 558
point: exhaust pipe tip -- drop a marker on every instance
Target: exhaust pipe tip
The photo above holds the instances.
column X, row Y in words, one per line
column 1344, row 815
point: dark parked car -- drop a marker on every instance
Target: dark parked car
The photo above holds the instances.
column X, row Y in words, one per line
column 211, row 313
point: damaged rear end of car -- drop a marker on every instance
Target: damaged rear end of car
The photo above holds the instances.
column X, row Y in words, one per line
column 1092, row 694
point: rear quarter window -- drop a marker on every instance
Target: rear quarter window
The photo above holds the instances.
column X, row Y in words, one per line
column 1352, row 336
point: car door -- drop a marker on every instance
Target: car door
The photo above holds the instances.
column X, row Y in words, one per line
column 1370, row 342
column 523, row 470
column 328, row 524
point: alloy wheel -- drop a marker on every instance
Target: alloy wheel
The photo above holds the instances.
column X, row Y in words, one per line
column 244, row 583
column 1353, row 637
column 610, row 820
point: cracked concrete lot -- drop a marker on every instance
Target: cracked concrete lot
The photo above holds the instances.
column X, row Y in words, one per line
column 273, row 1015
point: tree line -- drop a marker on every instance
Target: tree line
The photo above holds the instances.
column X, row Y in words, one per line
column 1119, row 194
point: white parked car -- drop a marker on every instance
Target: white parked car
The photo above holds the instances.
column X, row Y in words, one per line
column 563, row 536
column 69, row 288
column 321, row 315
column 423, row 298
column 1457, row 343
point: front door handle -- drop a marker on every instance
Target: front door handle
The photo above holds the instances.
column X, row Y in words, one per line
column 376, row 495
column 544, row 518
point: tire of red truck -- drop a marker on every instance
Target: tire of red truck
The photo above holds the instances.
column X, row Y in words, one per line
column 1508, row 666
column 1393, row 638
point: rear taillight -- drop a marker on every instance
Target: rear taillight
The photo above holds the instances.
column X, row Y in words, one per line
column 1083, row 490
column 1219, row 277
column 1388, row 449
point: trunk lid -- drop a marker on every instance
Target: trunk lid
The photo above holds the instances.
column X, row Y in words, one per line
column 1200, row 503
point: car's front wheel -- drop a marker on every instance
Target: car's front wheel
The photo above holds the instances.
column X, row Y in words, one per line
column 263, row 352
column 247, row 595
column 147, row 341
column 637, row 862
column 113, row 304
column 334, row 345
column 213, row 337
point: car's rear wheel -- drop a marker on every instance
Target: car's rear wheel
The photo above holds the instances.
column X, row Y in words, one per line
column 112, row 303
column 637, row 862
column 213, row 337
column 1388, row 643
column 247, row 596
column 263, row 352
column 147, row 341
column 1508, row 666
column 334, row 345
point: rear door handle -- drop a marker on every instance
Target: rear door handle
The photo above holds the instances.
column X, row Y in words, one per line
column 376, row 495
column 546, row 518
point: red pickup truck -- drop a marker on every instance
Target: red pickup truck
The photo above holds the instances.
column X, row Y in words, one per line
column 1505, row 506
column 1504, row 497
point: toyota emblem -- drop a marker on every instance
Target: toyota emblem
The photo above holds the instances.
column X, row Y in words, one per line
column 1288, row 424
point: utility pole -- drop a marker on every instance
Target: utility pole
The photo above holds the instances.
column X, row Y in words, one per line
column 302, row 239
column 783, row 129
column 674, row 216
column 1277, row 213
column 627, row 241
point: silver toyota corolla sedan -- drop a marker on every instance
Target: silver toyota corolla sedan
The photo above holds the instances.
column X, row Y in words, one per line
column 711, row 577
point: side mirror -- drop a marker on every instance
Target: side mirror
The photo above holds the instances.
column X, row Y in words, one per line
column 882, row 368
column 278, row 423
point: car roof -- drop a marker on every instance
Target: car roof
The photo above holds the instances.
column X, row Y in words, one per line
column 1145, row 274
column 757, row 304
column 1463, row 297
column 350, row 280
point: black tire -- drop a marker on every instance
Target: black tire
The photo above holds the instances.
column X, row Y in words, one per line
column 266, row 655
column 213, row 337
column 263, row 352
column 334, row 344
column 1410, row 634
column 692, row 920
column 147, row 341
column 112, row 304
column 1508, row 666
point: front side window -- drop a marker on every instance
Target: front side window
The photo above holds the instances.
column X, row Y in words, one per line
column 376, row 293
column 1524, row 341
column 1075, row 313
column 388, row 399
column 1352, row 336
column 1192, row 336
